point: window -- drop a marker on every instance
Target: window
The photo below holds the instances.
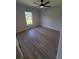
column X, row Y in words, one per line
column 28, row 16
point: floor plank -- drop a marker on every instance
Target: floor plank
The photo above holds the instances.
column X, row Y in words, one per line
column 39, row 43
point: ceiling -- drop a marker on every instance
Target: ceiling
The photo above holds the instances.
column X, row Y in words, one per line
column 31, row 4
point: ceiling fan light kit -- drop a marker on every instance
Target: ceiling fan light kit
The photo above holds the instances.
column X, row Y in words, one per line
column 41, row 6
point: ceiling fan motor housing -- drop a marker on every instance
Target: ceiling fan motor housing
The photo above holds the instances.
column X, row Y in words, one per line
column 42, row 5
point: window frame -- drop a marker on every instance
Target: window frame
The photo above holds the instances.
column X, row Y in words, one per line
column 28, row 17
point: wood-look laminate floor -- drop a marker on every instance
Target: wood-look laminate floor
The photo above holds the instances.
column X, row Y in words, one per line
column 39, row 43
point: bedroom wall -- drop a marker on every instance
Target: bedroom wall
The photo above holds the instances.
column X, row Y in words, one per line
column 52, row 18
column 20, row 17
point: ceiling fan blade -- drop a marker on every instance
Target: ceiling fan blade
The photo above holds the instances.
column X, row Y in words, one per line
column 36, row 3
column 42, row 1
column 46, row 2
column 47, row 6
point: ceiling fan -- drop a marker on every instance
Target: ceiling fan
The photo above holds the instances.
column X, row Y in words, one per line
column 43, row 4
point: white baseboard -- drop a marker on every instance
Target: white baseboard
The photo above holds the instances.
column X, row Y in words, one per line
column 52, row 28
column 20, row 30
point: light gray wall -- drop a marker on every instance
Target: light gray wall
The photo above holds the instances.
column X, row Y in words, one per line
column 20, row 17
column 52, row 18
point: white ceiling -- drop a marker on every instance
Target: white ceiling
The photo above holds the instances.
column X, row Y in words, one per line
column 30, row 2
